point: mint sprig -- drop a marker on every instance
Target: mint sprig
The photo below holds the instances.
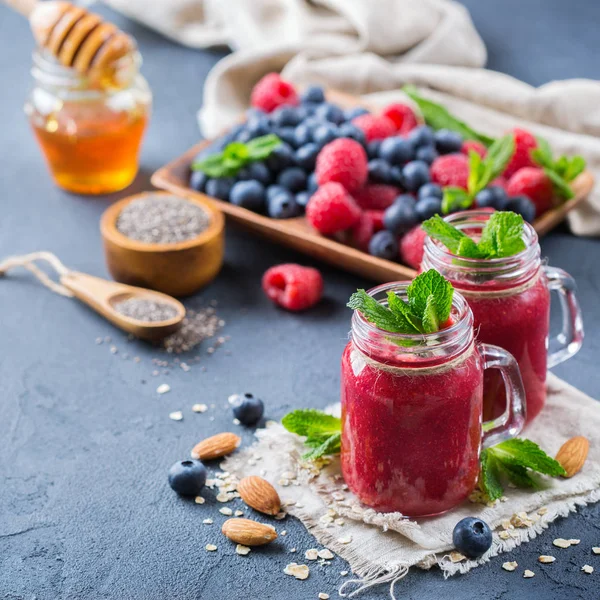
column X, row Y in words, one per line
column 237, row 155
column 482, row 171
column 561, row 171
column 438, row 117
column 502, row 236
column 323, row 432
column 428, row 305
column 514, row 460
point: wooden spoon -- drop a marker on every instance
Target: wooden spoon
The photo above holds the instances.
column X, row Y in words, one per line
column 103, row 295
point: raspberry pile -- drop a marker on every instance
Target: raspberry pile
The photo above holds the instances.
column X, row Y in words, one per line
column 368, row 179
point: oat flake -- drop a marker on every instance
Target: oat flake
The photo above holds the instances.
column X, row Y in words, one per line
column 343, row 573
column 456, row 556
column 297, row 571
column 326, row 554
column 242, row 550
column 199, row 500
column 176, row 415
column 199, row 408
column 238, row 513
column 207, row 521
column 596, row 550
column 226, row 511
column 545, row 559
column 311, row 554
column 163, row 388
column 527, row 574
column 561, row 543
column 323, row 596
column 345, row 540
column 210, row 547
column 510, row 566
column 587, row 569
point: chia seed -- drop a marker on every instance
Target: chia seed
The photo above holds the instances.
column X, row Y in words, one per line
column 144, row 310
column 162, row 220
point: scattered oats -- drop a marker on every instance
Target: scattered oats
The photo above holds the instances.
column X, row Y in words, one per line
column 185, row 367
column 543, row 510
column 292, row 549
column 343, row 573
column 521, row 519
column 596, row 550
column 208, row 521
column 280, row 516
column 284, row 532
column 510, row 566
column 210, row 547
column 297, row 571
column 504, row 535
column 339, row 522
column 587, row 569
column 456, row 556
column 574, row 542
column 338, row 496
column 323, row 596
column 284, row 482
column 288, row 475
column 163, row 388
column 506, row 524
column 311, row 554
column 545, row 559
column 236, row 421
column 527, row 574
column 238, row 513
column 199, row 408
column 226, row 511
column 326, row 554
column 326, row 519
column 99, row 341
column 224, row 497
column 199, row 500
column 232, row 398
column 560, row 543
column 345, row 540
column 243, row 550
column 113, row 349
column 176, row 415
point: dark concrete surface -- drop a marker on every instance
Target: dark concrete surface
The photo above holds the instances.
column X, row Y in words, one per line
column 85, row 444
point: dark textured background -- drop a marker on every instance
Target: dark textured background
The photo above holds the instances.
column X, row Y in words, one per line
column 85, row 511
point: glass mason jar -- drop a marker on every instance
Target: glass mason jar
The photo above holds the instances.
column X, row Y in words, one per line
column 89, row 130
column 412, row 410
column 510, row 300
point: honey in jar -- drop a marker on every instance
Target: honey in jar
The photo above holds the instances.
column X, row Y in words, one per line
column 89, row 128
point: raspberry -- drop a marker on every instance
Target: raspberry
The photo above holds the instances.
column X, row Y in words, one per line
column 363, row 231
column 375, row 127
column 499, row 182
column 293, row 286
column 376, row 196
column 411, row 247
column 332, row 209
column 377, row 218
column 343, row 161
column 272, row 91
column 450, row 169
column 535, row 184
column 473, row 145
column 525, row 142
column 402, row 116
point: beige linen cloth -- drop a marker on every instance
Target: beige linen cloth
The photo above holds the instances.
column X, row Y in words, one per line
column 381, row 547
column 371, row 48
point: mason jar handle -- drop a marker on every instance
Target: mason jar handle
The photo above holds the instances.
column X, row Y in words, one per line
column 568, row 342
column 511, row 422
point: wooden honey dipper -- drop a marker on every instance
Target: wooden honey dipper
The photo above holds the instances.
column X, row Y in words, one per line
column 76, row 37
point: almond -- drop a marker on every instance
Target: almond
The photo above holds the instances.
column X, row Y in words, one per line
column 259, row 494
column 572, row 454
column 216, row 446
column 248, row 533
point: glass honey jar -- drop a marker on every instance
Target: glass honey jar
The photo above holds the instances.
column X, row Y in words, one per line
column 89, row 128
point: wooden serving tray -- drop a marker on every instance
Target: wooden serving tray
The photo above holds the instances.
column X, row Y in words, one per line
column 298, row 234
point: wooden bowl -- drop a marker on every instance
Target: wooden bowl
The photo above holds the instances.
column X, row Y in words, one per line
column 178, row 269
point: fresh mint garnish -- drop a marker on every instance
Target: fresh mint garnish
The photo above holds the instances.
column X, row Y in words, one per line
column 561, row 171
column 501, row 236
column 428, row 306
column 438, row 117
column 514, row 460
column 482, row 171
column 323, row 432
column 237, row 155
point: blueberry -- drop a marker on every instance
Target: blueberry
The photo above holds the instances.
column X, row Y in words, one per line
column 187, row 477
column 302, row 135
column 313, row 93
column 293, row 179
column 198, row 180
column 330, row 112
column 396, row 150
column 427, row 154
column 312, row 185
column 306, row 156
column 281, row 158
column 493, row 196
column 379, row 170
column 357, row 111
column 247, row 409
column 472, row 537
column 221, row 142
column 282, row 206
column 447, row 141
column 421, row 136
column 348, row 130
column 255, row 112
column 415, row 174
column 324, row 134
column 384, row 244
column 431, row 189
column 287, row 134
column 248, row 194
column 523, row 206
column 260, row 172
column 284, row 116
column 302, row 198
column 427, row 207
column 373, row 149
column 273, row 190
column 401, row 216
column 258, row 126
column 219, row 188
column 396, row 177
column 244, row 136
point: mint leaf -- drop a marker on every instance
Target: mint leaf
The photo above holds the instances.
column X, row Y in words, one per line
column 455, row 199
column 403, row 312
column 381, row 316
column 518, row 475
column 497, row 157
column 489, row 481
column 542, row 155
column 574, row 167
column 260, row 148
column 431, row 283
column 332, row 445
column 311, row 423
column 431, row 322
column 447, row 234
column 561, row 187
column 561, row 171
column 438, row 117
column 528, row 454
column 502, row 235
column 467, row 248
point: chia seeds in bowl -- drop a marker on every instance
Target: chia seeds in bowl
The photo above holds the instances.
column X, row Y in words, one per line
column 144, row 310
column 162, row 220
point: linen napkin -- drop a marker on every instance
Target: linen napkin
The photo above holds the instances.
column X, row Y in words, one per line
column 381, row 547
